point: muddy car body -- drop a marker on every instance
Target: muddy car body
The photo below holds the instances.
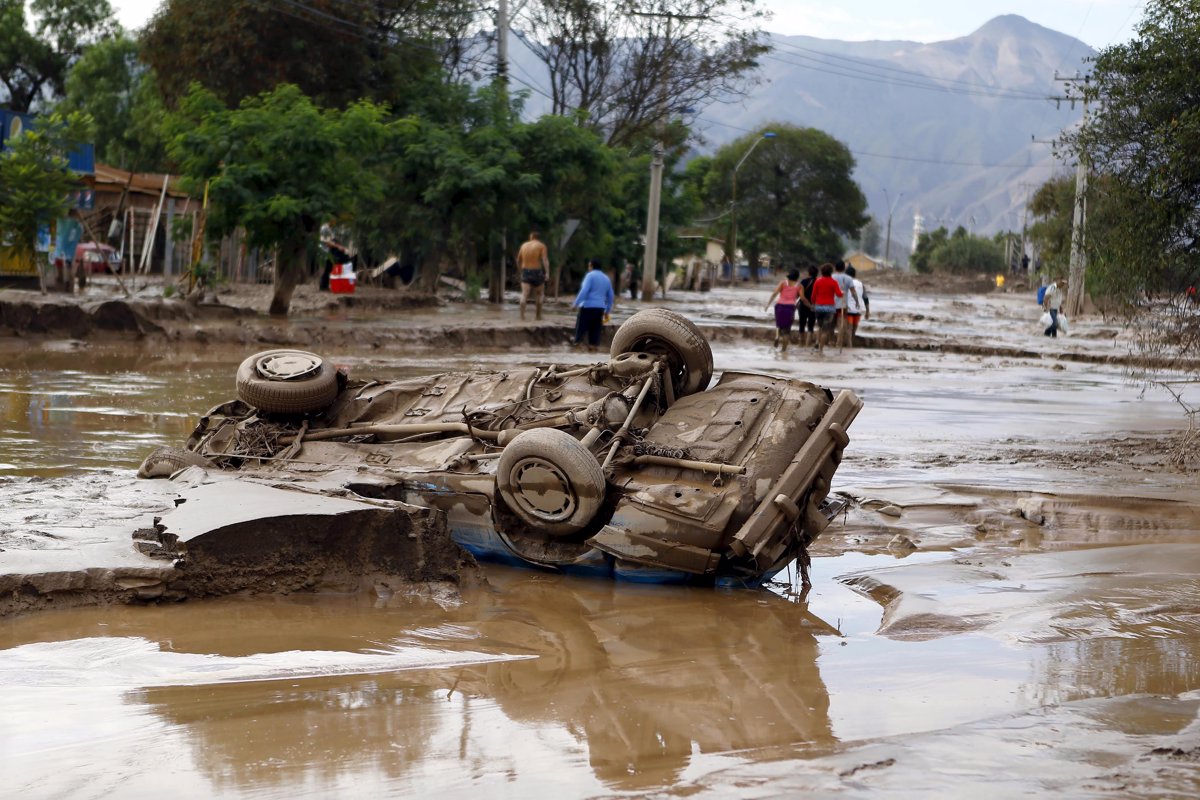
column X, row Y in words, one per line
column 633, row 467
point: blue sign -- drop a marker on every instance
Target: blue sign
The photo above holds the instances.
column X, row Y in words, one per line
column 81, row 159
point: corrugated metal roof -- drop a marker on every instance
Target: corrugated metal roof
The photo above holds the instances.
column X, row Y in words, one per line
column 109, row 178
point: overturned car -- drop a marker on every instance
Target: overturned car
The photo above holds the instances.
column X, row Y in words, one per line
column 632, row 468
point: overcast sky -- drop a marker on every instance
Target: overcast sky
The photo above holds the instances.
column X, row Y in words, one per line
column 1096, row 22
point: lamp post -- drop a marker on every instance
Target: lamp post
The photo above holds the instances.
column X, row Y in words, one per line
column 887, row 242
column 733, row 206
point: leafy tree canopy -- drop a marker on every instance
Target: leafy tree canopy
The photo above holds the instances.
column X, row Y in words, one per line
column 960, row 251
column 1144, row 136
column 111, row 85
column 337, row 52
column 279, row 167
column 36, row 52
column 796, row 198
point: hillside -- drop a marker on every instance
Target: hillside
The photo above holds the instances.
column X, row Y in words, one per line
column 923, row 118
column 947, row 128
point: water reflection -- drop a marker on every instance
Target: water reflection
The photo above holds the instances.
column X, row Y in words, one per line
column 631, row 689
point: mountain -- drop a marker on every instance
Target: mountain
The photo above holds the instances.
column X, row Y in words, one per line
column 922, row 119
column 956, row 131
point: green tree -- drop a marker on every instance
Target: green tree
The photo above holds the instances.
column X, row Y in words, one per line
column 35, row 179
column 966, row 252
column 119, row 93
column 279, row 167
column 796, row 199
column 36, row 53
column 1052, row 207
column 390, row 51
column 1144, row 137
column 927, row 242
column 453, row 188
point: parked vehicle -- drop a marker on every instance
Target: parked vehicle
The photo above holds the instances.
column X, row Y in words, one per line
column 93, row 257
column 633, row 468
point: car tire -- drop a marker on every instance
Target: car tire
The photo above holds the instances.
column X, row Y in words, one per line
column 300, row 382
column 550, row 481
column 163, row 462
column 658, row 331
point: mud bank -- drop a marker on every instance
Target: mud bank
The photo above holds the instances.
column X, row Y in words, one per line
column 118, row 540
column 207, row 324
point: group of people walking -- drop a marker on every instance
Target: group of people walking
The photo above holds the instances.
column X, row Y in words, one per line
column 825, row 306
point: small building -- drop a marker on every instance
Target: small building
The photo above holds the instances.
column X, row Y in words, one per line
column 146, row 194
column 863, row 262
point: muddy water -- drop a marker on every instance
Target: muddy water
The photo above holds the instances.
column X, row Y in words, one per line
column 1068, row 647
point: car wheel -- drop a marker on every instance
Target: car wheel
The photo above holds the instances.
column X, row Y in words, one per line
column 551, row 481
column 163, row 462
column 660, row 332
column 286, row 382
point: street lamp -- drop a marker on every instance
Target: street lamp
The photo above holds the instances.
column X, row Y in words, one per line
column 733, row 206
column 887, row 242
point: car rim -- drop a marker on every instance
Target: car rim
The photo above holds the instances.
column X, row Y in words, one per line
column 288, row 366
column 543, row 490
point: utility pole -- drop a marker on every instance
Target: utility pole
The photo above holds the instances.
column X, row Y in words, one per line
column 650, row 259
column 1078, row 264
column 502, row 43
column 887, row 242
column 1024, row 222
column 499, row 275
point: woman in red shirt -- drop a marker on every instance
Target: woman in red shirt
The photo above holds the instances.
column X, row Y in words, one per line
column 790, row 294
column 824, row 299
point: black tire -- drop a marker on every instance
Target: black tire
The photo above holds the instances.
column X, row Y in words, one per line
column 551, row 481
column 661, row 332
column 163, row 462
column 312, row 391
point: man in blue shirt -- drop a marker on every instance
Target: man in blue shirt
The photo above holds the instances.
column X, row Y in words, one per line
column 595, row 302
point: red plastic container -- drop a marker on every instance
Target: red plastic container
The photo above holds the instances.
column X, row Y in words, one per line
column 342, row 279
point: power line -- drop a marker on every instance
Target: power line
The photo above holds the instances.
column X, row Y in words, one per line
column 923, row 76
column 978, row 165
column 887, row 81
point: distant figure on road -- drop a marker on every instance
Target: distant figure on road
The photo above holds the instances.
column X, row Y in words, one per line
column 595, row 303
column 825, row 292
column 626, row 283
column 534, row 262
column 1052, row 301
column 791, row 295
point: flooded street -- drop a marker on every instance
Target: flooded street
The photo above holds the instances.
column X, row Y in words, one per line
column 1025, row 619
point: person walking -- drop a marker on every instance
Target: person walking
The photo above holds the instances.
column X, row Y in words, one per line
column 856, row 306
column 807, row 318
column 534, row 262
column 825, row 293
column 595, row 303
column 846, row 284
column 790, row 294
column 1052, row 301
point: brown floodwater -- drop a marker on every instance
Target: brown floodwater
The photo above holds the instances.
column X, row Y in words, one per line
column 1001, row 656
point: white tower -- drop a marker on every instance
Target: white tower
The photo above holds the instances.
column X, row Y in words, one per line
column 918, row 229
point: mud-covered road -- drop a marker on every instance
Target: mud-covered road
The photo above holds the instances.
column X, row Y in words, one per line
column 1009, row 609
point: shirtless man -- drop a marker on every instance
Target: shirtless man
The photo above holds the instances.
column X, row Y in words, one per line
column 534, row 263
